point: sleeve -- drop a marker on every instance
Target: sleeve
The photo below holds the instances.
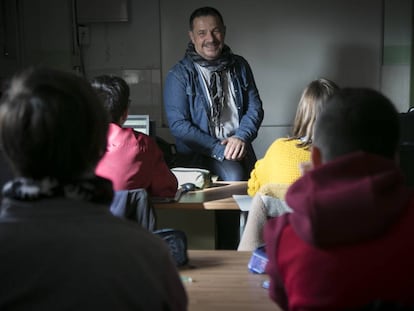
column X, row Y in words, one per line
column 177, row 108
column 163, row 181
column 263, row 169
column 252, row 105
column 173, row 286
column 272, row 233
column 253, row 184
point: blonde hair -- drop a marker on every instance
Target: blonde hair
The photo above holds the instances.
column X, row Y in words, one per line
column 311, row 103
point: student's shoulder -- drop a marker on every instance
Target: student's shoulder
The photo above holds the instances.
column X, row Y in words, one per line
column 241, row 61
column 287, row 147
column 183, row 66
column 239, row 58
column 284, row 142
column 142, row 137
column 147, row 139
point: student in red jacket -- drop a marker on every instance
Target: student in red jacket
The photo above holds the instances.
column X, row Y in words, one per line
column 349, row 239
column 132, row 159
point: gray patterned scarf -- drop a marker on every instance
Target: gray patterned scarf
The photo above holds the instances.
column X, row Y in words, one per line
column 217, row 68
column 95, row 189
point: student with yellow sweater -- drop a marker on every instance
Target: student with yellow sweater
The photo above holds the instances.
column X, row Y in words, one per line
column 281, row 165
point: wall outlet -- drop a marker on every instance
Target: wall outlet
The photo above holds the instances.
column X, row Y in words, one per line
column 83, row 35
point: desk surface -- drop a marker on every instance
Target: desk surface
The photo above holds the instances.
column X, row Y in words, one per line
column 221, row 281
column 217, row 197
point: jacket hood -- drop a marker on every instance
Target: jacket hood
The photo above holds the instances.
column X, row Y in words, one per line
column 354, row 198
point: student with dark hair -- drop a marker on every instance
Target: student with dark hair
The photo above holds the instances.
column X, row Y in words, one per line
column 132, row 159
column 212, row 103
column 61, row 248
column 348, row 240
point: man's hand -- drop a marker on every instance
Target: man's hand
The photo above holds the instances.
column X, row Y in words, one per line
column 235, row 149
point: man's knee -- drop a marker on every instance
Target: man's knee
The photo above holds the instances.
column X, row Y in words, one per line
column 231, row 171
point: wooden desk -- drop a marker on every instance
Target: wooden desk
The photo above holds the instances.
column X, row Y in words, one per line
column 217, row 197
column 230, row 220
column 221, row 281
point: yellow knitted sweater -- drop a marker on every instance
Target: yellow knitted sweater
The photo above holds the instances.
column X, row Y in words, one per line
column 280, row 167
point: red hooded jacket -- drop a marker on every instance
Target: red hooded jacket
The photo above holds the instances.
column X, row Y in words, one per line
column 349, row 240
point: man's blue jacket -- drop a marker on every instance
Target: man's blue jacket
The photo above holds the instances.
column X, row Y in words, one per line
column 187, row 108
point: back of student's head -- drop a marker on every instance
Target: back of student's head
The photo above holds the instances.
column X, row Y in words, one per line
column 311, row 103
column 114, row 92
column 357, row 119
column 52, row 124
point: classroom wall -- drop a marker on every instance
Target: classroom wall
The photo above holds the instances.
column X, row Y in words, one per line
column 9, row 49
column 288, row 43
column 397, row 53
column 132, row 50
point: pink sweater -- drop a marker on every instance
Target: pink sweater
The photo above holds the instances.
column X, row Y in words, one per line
column 134, row 160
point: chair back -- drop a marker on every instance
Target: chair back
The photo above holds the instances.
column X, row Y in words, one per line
column 169, row 151
column 134, row 205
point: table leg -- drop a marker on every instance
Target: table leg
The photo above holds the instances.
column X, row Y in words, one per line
column 243, row 219
column 227, row 227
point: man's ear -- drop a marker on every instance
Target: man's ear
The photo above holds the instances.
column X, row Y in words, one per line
column 124, row 117
column 316, row 156
column 191, row 35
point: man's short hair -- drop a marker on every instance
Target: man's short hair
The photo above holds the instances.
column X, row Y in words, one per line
column 205, row 11
column 357, row 119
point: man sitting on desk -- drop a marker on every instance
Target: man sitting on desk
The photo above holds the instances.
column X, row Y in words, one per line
column 349, row 239
column 212, row 103
column 132, row 159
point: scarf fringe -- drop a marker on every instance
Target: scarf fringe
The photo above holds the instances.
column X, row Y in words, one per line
column 95, row 189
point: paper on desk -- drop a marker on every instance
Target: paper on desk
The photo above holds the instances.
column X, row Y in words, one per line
column 244, row 201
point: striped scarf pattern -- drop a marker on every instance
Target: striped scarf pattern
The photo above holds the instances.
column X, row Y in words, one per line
column 217, row 68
